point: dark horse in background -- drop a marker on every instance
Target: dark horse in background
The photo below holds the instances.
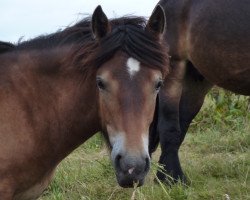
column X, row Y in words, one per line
column 209, row 44
column 57, row 91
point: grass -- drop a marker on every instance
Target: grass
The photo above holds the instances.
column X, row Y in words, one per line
column 215, row 157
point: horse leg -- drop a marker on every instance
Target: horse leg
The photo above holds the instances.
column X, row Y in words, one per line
column 195, row 88
column 168, row 126
column 193, row 91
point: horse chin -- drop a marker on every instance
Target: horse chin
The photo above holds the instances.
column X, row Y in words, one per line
column 128, row 181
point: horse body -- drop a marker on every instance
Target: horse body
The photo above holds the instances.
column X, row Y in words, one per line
column 219, row 43
column 42, row 117
column 57, row 91
column 209, row 43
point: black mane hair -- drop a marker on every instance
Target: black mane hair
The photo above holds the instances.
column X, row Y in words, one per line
column 6, row 47
column 128, row 34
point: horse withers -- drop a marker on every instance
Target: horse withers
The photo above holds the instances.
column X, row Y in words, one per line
column 209, row 43
column 56, row 91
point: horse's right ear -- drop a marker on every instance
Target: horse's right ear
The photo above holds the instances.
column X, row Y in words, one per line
column 100, row 23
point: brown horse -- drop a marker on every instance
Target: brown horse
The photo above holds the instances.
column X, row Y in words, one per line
column 59, row 90
column 209, row 43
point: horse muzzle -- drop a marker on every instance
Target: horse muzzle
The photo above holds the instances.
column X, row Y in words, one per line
column 130, row 169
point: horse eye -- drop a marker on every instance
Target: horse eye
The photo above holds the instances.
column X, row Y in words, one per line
column 100, row 84
column 158, row 85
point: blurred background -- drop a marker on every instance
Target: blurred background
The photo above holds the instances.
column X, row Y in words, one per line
column 28, row 18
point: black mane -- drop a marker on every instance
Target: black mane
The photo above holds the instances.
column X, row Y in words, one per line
column 128, row 35
column 6, row 46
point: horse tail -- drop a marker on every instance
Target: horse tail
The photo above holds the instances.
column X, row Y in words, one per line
column 6, row 46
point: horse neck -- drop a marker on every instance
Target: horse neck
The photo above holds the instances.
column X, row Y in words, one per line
column 60, row 104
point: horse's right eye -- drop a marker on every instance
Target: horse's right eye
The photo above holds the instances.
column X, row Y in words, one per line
column 100, row 84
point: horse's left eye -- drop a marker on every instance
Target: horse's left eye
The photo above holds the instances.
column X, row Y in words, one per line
column 158, row 85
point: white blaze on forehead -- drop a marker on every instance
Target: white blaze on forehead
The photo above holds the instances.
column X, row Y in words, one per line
column 133, row 66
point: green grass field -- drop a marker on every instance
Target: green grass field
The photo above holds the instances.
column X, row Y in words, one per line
column 215, row 157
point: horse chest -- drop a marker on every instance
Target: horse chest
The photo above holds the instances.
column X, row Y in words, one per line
column 36, row 190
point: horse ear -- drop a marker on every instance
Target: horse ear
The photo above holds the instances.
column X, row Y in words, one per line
column 157, row 21
column 100, row 23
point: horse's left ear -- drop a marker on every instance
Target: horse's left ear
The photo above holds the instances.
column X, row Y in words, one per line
column 100, row 23
column 157, row 22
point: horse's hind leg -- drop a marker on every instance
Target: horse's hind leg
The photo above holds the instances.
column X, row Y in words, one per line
column 175, row 116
